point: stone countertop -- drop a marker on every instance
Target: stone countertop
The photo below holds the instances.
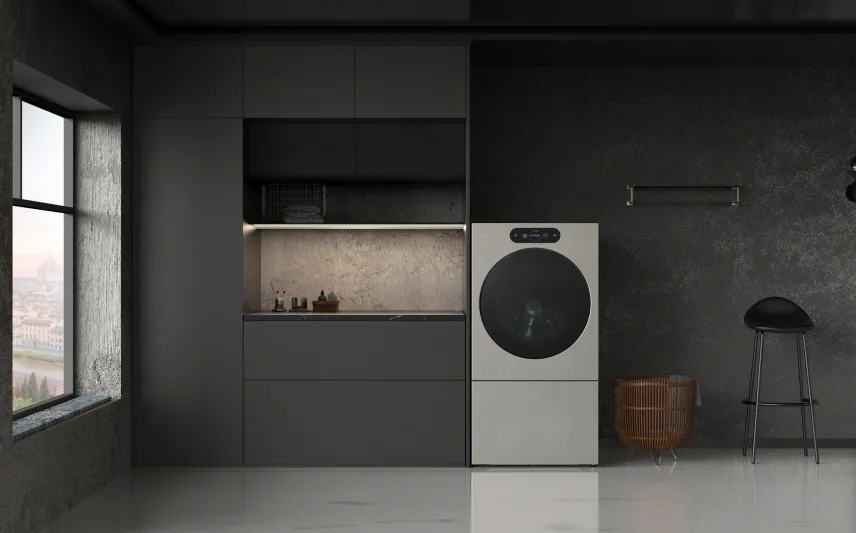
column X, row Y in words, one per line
column 399, row 316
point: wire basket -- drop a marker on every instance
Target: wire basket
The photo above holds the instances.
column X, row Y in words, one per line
column 654, row 413
column 294, row 203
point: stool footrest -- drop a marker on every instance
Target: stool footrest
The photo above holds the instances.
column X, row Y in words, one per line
column 804, row 403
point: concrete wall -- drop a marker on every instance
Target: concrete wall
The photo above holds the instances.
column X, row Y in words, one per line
column 560, row 143
column 47, row 473
column 398, row 270
column 99, row 252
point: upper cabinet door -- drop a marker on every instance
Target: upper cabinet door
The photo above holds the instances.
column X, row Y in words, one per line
column 411, row 81
column 356, row 10
column 276, row 150
column 182, row 11
column 411, row 151
column 299, row 81
column 187, row 82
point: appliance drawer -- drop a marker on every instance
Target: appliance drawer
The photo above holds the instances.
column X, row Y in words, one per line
column 547, row 423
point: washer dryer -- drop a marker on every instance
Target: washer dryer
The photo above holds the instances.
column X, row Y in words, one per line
column 534, row 345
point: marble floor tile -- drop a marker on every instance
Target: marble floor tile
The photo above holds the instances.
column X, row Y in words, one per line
column 704, row 491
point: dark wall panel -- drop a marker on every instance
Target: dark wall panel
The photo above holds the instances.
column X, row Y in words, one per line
column 663, row 11
column 560, row 143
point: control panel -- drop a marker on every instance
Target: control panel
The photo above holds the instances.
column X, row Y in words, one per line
column 535, row 235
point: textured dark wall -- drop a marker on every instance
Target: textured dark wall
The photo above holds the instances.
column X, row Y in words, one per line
column 560, row 143
column 44, row 474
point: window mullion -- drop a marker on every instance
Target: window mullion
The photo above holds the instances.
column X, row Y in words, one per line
column 16, row 147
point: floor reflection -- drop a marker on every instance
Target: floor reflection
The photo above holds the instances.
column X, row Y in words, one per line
column 518, row 501
column 702, row 492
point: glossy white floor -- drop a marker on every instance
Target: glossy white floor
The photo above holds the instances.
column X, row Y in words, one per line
column 704, row 491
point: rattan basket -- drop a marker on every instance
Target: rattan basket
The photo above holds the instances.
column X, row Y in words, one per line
column 654, row 413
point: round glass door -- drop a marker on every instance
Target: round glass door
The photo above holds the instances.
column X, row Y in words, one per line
column 535, row 303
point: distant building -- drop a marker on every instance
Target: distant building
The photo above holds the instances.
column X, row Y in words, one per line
column 55, row 338
column 41, row 333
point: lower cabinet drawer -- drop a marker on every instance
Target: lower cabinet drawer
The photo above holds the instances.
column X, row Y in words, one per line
column 350, row 423
column 355, row 350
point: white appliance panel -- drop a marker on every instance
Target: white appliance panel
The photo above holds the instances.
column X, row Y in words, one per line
column 534, row 423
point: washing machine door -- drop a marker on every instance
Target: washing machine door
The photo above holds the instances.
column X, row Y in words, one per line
column 535, row 303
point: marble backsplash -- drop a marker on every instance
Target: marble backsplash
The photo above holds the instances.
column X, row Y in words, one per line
column 368, row 270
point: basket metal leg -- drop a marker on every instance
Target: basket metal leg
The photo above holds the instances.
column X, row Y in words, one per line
column 629, row 453
column 751, row 380
column 802, row 394
column 658, row 459
column 673, row 454
column 758, row 394
column 810, row 401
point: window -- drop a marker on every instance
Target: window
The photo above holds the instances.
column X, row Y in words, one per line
column 42, row 255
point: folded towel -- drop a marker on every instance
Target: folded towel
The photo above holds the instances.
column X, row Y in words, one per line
column 676, row 377
column 296, row 214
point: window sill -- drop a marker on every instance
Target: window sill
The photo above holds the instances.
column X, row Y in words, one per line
column 54, row 415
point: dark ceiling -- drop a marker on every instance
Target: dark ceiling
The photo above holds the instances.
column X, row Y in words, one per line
column 493, row 20
column 553, row 12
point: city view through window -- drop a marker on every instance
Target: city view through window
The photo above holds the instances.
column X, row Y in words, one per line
column 38, row 263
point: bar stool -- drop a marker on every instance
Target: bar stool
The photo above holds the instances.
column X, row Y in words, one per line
column 779, row 315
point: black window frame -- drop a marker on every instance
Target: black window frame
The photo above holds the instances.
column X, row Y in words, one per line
column 19, row 97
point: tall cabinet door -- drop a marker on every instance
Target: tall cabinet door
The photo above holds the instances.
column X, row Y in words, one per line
column 188, row 292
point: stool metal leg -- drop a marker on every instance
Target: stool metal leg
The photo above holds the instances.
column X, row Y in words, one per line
column 810, row 401
column 802, row 394
column 751, row 380
column 758, row 394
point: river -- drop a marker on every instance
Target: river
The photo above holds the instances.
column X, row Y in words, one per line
column 51, row 370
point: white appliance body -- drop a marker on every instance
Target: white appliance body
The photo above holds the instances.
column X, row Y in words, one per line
column 535, row 342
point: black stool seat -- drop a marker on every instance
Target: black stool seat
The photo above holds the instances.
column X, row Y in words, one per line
column 777, row 315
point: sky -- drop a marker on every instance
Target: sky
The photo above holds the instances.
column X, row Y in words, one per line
column 37, row 234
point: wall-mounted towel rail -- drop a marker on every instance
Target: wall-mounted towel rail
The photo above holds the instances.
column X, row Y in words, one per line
column 735, row 192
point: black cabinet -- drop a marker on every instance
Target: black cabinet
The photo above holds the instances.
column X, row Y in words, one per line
column 299, row 81
column 355, row 151
column 386, row 350
column 188, row 292
column 355, row 423
column 187, row 82
column 411, row 151
column 410, row 81
column 297, row 151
